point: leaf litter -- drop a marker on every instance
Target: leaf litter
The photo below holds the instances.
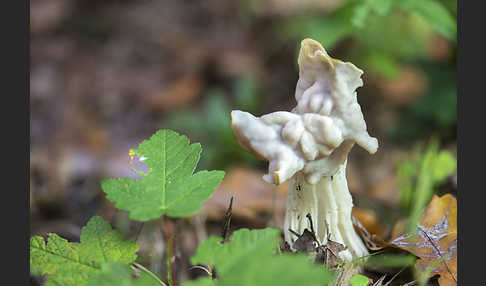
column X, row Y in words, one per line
column 434, row 241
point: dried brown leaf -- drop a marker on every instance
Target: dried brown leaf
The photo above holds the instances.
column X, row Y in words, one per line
column 368, row 220
column 255, row 200
column 435, row 239
column 178, row 94
column 406, row 88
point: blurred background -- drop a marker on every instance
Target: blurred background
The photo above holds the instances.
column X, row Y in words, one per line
column 106, row 75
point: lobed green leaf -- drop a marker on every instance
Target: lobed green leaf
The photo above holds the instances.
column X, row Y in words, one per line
column 250, row 258
column 72, row 264
column 169, row 187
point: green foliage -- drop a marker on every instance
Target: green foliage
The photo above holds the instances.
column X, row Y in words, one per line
column 419, row 175
column 385, row 33
column 121, row 275
column 69, row 263
column 169, row 187
column 435, row 13
column 363, row 10
column 243, row 243
column 211, row 124
column 359, row 280
column 326, row 30
column 432, row 11
column 251, row 258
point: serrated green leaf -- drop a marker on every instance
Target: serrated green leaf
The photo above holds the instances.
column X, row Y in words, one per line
column 60, row 260
column 250, row 258
column 244, row 242
column 101, row 244
column 69, row 263
column 169, row 187
column 120, row 275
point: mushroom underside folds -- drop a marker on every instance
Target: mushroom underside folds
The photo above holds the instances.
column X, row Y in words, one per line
column 329, row 204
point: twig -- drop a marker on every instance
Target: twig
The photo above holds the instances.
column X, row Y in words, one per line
column 227, row 222
column 202, row 268
column 380, row 281
column 394, row 276
column 308, row 216
column 294, row 233
column 168, row 233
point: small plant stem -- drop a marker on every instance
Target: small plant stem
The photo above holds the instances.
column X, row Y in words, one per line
column 170, row 270
column 167, row 228
column 149, row 273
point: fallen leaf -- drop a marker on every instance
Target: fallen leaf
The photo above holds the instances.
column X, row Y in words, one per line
column 306, row 242
column 328, row 254
column 254, row 199
column 285, row 247
column 385, row 190
column 178, row 94
column 372, row 241
column 405, row 89
column 435, row 239
column 368, row 220
column 439, row 48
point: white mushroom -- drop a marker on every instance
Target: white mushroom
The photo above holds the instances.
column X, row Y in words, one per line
column 310, row 146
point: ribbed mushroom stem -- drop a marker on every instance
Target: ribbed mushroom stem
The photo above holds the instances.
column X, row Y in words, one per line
column 328, row 202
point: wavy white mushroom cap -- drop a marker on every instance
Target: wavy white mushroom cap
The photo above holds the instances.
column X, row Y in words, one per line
column 318, row 134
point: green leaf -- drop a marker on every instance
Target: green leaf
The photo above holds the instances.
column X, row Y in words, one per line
column 244, row 242
column 420, row 174
column 363, row 10
column 383, row 64
column 359, row 280
column 169, row 187
column 247, row 91
column 250, row 258
column 101, row 244
column 436, row 14
column 70, row 263
column 200, row 282
column 120, row 275
column 445, row 164
column 328, row 30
